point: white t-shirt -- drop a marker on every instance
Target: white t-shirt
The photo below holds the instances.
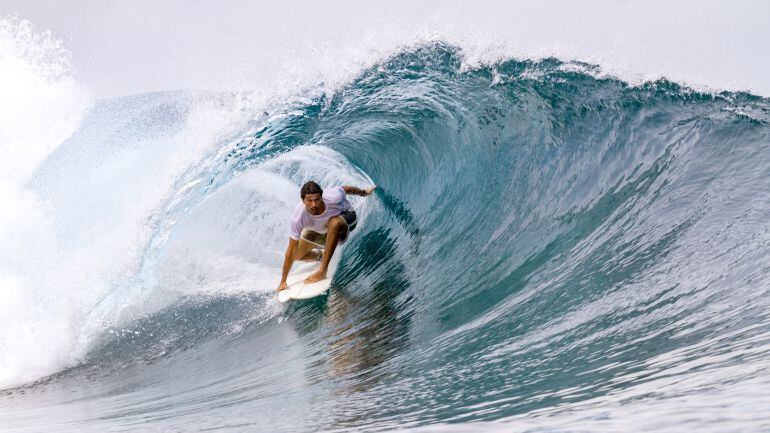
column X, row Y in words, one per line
column 336, row 202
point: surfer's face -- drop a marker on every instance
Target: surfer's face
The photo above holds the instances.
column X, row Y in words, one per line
column 314, row 204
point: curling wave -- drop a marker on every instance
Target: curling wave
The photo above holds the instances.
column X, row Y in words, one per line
column 547, row 244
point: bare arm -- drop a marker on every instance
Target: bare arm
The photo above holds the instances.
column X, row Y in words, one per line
column 288, row 260
column 358, row 191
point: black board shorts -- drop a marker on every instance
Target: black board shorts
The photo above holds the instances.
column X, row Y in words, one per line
column 350, row 218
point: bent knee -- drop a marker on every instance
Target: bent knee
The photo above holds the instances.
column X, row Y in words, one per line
column 336, row 223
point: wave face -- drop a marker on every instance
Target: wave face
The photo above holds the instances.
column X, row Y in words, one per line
column 548, row 247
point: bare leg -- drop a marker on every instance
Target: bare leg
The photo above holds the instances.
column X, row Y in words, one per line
column 335, row 227
column 305, row 251
column 311, row 256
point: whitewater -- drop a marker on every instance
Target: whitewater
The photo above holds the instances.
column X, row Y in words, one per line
column 555, row 244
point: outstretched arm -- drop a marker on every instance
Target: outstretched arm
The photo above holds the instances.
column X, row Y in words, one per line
column 288, row 260
column 358, row 191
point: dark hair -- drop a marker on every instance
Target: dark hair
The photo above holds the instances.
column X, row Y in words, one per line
column 310, row 187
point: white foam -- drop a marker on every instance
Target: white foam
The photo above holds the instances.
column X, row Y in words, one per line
column 75, row 216
column 41, row 105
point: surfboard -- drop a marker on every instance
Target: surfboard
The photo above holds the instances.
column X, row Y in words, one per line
column 298, row 289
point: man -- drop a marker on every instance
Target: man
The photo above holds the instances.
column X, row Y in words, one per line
column 331, row 214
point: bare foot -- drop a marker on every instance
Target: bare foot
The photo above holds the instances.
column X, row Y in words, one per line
column 316, row 276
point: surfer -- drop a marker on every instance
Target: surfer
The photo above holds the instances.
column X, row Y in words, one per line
column 318, row 213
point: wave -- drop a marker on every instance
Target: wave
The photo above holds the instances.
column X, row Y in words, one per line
column 545, row 241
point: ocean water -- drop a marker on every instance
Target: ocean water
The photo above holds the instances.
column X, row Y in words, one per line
column 550, row 249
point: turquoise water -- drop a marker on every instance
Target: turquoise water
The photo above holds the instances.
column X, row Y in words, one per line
column 548, row 250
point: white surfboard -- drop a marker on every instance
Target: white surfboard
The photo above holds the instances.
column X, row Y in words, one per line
column 298, row 289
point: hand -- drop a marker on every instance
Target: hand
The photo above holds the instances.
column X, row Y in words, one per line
column 282, row 286
column 368, row 191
